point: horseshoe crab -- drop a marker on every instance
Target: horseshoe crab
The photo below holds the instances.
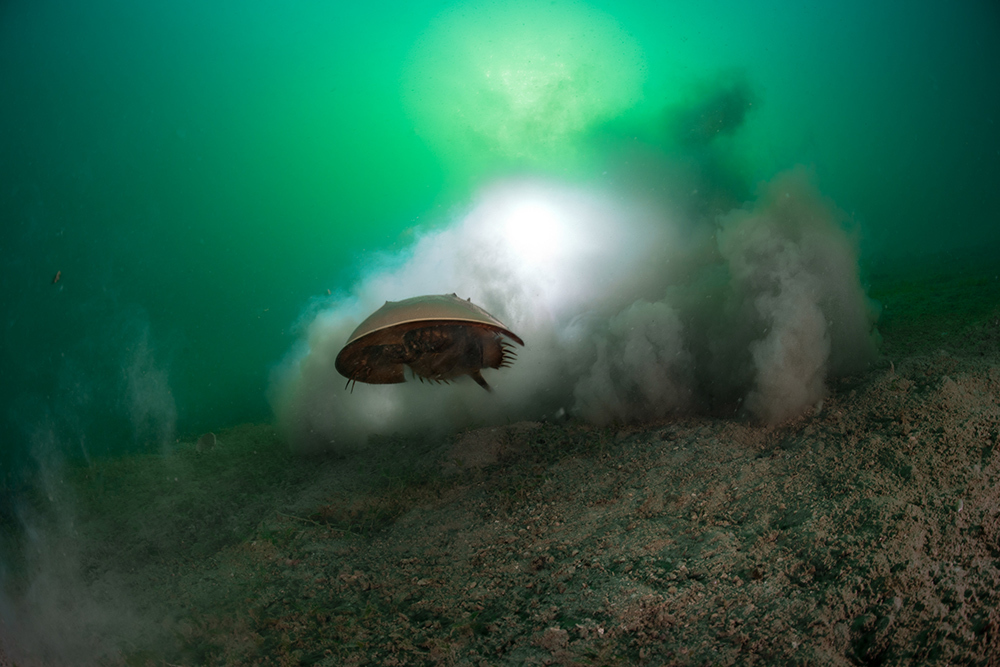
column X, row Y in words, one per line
column 439, row 337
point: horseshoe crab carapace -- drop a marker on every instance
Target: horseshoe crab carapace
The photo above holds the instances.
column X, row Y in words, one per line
column 439, row 337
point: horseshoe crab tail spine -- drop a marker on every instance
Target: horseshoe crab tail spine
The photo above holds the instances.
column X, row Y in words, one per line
column 480, row 380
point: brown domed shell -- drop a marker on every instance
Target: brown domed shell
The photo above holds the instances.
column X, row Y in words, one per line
column 439, row 337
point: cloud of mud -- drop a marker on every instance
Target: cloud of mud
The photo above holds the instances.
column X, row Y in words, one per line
column 54, row 610
column 148, row 398
column 59, row 604
column 717, row 109
column 629, row 312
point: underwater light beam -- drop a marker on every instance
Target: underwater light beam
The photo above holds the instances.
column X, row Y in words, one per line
column 516, row 80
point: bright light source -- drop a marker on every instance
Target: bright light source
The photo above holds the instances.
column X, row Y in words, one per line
column 536, row 231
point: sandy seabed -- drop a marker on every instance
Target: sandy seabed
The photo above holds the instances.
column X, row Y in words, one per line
column 866, row 532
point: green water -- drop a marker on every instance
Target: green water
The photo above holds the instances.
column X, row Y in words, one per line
column 198, row 173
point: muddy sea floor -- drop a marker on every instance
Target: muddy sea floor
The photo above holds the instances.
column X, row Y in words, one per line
column 866, row 532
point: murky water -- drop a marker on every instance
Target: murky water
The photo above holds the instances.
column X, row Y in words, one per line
column 677, row 205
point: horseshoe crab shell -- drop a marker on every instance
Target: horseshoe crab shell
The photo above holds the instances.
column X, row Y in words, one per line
column 439, row 337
